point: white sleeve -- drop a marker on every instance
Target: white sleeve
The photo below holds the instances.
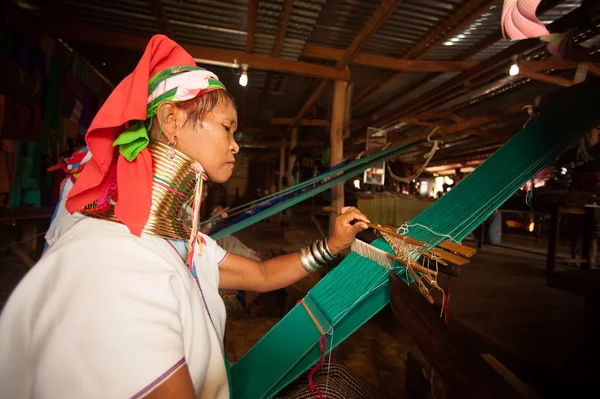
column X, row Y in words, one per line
column 114, row 322
column 217, row 253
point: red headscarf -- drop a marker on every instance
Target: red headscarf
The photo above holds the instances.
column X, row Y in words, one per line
column 128, row 102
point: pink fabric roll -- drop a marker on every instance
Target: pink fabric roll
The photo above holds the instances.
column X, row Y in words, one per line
column 519, row 20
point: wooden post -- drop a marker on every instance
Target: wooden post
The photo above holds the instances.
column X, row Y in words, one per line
column 337, row 144
column 292, row 158
column 281, row 166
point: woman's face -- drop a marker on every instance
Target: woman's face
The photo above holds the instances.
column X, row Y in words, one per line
column 210, row 142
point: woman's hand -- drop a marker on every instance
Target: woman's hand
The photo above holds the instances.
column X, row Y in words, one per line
column 219, row 211
column 348, row 224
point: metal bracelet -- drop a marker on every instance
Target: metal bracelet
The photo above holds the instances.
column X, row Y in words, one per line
column 308, row 262
column 318, row 255
column 321, row 245
column 327, row 249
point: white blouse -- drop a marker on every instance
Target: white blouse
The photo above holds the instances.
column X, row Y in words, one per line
column 106, row 314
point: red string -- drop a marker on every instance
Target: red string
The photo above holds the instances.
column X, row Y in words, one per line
column 313, row 388
column 447, row 301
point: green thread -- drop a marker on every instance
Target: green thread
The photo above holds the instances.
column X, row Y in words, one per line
column 175, row 186
column 358, row 288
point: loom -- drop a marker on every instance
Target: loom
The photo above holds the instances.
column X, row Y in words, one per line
column 282, row 200
column 358, row 288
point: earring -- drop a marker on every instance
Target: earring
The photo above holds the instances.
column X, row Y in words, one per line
column 172, row 143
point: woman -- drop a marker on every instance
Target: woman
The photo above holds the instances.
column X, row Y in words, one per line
column 124, row 302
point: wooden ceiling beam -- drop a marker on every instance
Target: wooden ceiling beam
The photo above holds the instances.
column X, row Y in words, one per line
column 250, row 40
column 544, row 77
column 385, row 9
column 161, row 17
column 466, row 125
column 487, row 42
column 546, row 65
column 486, row 66
column 251, row 25
column 284, row 18
column 455, row 23
column 307, row 122
column 384, row 62
column 86, row 34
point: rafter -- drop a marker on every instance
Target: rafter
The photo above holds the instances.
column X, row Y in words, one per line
column 383, row 62
column 86, row 34
column 544, row 77
column 385, row 9
column 437, row 93
column 250, row 40
column 286, row 10
column 251, row 25
column 284, row 18
column 307, row 122
column 161, row 17
column 454, row 24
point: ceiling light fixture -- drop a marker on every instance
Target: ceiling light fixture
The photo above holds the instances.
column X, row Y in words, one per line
column 244, row 75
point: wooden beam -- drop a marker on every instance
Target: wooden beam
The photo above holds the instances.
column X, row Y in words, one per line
column 312, row 100
column 546, row 65
column 309, row 122
column 261, row 144
column 161, row 17
column 251, row 25
column 292, row 156
column 466, row 125
column 369, row 91
column 336, row 154
column 592, row 68
column 302, row 122
column 250, row 40
column 383, row 62
column 385, row 9
column 86, row 34
column 454, row 24
column 544, row 77
column 284, row 18
column 484, row 67
column 281, row 167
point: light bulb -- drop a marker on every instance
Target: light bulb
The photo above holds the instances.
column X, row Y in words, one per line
column 514, row 70
column 243, row 79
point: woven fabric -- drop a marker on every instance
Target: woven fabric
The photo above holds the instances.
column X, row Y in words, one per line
column 335, row 382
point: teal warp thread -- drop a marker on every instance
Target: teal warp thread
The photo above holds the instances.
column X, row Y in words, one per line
column 359, row 163
column 357, row 288
column 356, row 170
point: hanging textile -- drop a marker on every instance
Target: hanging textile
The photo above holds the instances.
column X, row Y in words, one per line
column 358, row 288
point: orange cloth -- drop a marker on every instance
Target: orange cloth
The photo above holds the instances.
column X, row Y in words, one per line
column 128, row 102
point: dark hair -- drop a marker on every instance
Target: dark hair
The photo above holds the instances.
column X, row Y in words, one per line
column 198, row 107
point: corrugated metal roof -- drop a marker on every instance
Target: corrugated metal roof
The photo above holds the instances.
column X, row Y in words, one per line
column 340, row 21
column 331, row 23
column 434, row 82
column 409, row 24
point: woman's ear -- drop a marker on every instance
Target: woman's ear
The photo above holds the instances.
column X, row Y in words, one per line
column 167, row 120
